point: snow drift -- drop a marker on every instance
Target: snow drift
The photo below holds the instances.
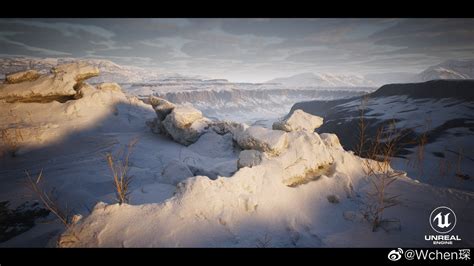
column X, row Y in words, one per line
column 297, row 188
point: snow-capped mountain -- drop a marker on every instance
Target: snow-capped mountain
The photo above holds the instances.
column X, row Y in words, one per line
column 323, row 80
column 451, row 69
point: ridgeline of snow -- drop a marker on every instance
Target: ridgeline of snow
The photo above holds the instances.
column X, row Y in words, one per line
column 450, row 69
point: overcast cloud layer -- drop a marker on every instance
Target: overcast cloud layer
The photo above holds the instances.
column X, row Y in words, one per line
column 247, row 49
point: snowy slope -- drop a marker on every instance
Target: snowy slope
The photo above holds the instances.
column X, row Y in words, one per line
column 440, row 110
column 451, row 69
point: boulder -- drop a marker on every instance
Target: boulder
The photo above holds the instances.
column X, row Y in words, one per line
column 262, row 139
column 185, row 124
column 161, row 106
column 299, row 120
column 224, row 127
column 249, row 158
column 18, row 77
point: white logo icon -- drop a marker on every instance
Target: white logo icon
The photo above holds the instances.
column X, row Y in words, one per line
column 442, row 220
column 395, row 254
column 443, row 223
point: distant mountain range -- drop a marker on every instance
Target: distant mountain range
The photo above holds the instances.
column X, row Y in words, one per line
column 112, row 72
column 451, row 69
column 323, row 80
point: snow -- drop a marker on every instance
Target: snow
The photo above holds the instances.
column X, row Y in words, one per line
column 262, row 139
column 299, row 120
column 249, row 158
column 198, row 195
column 185, row 124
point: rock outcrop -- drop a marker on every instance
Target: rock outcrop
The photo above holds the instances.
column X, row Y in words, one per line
column 28, row 75
column 62, row 83
column 299, row 120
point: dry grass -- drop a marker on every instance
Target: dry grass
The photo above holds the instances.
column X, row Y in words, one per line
column 35, row 185
column 362, row 126
column 52, row 204
column 119, row 165
column 381, row 153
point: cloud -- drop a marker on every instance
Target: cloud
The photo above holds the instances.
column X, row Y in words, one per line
column 247, row 48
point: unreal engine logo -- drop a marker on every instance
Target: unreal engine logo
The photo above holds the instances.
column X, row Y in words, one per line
column 442, row 221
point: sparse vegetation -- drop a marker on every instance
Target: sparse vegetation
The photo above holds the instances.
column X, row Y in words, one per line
column 362, row 126
column 51, row 204
column 380, row 153
column 119, row 165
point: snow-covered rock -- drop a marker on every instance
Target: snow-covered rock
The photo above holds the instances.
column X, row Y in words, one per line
column 331, row 140
column 77, row 71
column 53, row 106
column 28, row 75
column 185, row 124
column 299, row 120
column 249, row 158
column 262, row 139
column 161, row 106
column 62, row 82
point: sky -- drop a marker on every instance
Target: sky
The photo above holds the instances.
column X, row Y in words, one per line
column 251, row 50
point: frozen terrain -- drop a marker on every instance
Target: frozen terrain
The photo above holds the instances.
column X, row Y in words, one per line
column 259, row 104
column 439, row 111
column 198, row 181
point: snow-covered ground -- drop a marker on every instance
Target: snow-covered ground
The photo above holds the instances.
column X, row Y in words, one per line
column 235, row 186
column 446, row 122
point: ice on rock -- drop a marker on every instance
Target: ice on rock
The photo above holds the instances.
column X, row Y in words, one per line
column 185, row 124
column 28, row 75
column 299, row 120
column 249, row 158
column 175, row 172
column 262, row 139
